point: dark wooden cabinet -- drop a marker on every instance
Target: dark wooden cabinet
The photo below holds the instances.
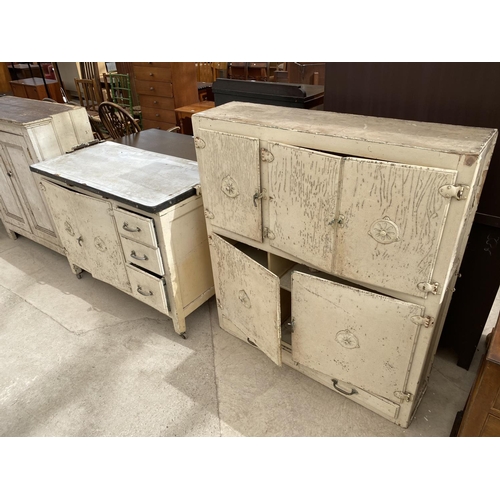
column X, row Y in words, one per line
column 35, row 88
column 482, row 412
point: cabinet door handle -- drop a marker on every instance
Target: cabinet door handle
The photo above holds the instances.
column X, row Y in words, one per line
column 9, row 173
column 135, row 256
column 353, row 391
column 146, row 294
column 125, row 226
column 80, row 241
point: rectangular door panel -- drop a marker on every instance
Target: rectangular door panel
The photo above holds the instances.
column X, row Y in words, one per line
column 393, row 219
column 248, row 294
column 101, row 241
column 303, row 192
column 353, row 336
column 12, row 209
column 61, row 203
column 230, row 179
column 20, row 159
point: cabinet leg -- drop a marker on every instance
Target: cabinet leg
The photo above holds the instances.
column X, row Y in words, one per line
column 76, row 270
column 11, row 234
column 180, row 326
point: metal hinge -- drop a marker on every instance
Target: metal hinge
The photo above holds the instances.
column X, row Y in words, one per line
column 266, row 155
column 84, row 145
column 428, row 287
column 199, row 143
column 459, row 192
column 292, row 325
column 267, row 233
column 426, row 321
column 197, row 189
column 404, row 396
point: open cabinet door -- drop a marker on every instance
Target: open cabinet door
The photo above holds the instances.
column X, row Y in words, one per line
column 355, row 337
column 248, row 295
column 303, row 193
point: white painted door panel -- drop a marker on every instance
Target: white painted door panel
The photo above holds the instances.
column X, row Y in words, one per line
column 16, row 149
column 61, row 203
column 355, row 337
column 13, row 211
column 230, row 176
column 393, row 221
column 303, row 192
column 248, row 294
column 90, row 234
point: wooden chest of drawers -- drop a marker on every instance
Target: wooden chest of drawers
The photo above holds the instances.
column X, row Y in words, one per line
column 482, row 412
column 162, row 87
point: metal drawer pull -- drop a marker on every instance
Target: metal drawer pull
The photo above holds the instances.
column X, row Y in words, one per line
column 353, row 391
column 125, row 226
column 80, row 240
column 146, row 294
column 135, row 256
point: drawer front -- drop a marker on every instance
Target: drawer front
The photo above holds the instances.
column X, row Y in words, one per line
column 32, row 92
column 136, row 227
column 152, row 65
column 157, row 114
column 142, row 256
column 18, row 90
column 153, row 74
column 148, row 289
column 149, row 101
column 154, row 88
column 158, row 125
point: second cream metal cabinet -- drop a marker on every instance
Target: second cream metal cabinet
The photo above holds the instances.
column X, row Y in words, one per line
column 133, row 219
column 336, row 240
column 33, row 131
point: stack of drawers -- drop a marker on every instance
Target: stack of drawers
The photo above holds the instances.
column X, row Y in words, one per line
column 162, row 87
column 143, row 257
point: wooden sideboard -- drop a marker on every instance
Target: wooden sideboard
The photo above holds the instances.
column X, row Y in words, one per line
column 481, row 417
column 35, row 88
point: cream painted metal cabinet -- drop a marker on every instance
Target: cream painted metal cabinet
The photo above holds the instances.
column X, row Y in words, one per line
column 336, row 240
column 133, row 219
column 32, row 131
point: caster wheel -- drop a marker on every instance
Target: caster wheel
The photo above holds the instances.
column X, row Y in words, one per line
column 183, row 335
column 79, row 276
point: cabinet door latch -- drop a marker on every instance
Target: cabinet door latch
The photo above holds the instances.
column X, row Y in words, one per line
column 425, row 321
column 428, row 287
column 403, row 396
column 459, row 192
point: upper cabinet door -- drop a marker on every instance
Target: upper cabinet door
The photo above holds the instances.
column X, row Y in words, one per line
column 355, row 337
column 303, row 193
column 230, row 179
column 248, row 295
column 392, row 221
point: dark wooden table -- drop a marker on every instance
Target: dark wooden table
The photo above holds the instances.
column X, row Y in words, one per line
column 161, row 141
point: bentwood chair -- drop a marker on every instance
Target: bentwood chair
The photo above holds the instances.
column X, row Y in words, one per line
column 117, row 120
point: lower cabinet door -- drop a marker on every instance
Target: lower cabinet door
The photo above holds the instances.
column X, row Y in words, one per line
column 355, row 337
column 248, row 295
column 88, row 231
